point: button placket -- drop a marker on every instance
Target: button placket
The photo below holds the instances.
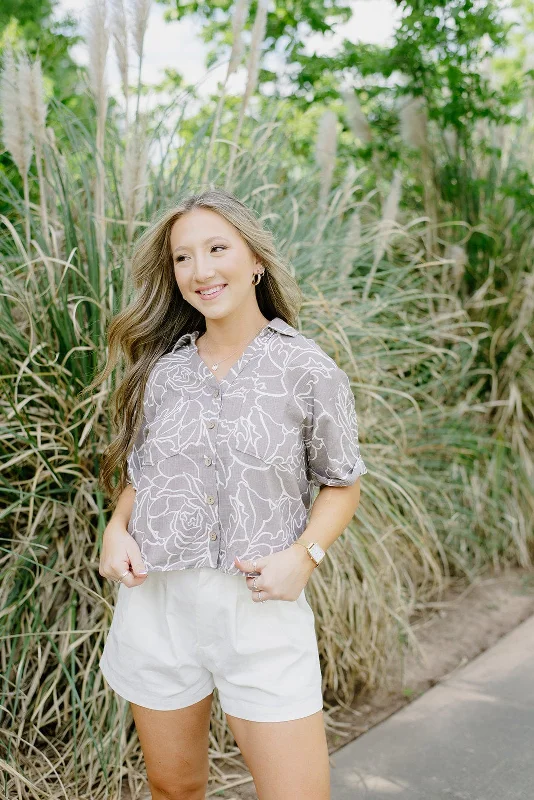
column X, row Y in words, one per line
column 217, row 390
column 209, row 461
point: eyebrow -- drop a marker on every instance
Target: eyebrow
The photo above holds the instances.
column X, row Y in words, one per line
column 206, row 241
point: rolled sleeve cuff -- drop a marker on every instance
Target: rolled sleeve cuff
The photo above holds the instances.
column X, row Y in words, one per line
column 348, row 479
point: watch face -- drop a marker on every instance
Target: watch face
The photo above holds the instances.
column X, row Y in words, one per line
column 317, row 552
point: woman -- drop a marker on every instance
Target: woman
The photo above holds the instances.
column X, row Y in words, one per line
column 227, row 416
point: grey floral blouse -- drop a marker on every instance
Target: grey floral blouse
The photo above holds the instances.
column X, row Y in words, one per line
column 226, row 467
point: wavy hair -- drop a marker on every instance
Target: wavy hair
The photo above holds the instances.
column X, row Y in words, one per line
column 158, row 315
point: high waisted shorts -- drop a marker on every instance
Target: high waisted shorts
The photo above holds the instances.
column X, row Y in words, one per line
column 183, row 632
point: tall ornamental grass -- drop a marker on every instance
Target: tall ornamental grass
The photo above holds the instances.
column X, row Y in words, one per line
column 448, row 491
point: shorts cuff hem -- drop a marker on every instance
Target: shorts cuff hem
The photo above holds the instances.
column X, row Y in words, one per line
column 258, row 713
column 141, row 699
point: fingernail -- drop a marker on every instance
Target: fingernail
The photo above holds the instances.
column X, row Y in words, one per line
column 145, row 572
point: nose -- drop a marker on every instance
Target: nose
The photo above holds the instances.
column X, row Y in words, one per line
column 203, row 271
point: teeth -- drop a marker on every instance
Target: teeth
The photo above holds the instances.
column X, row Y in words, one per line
column 211, row 291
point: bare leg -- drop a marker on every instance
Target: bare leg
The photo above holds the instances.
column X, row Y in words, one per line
column 288, row 760
column 175, row 749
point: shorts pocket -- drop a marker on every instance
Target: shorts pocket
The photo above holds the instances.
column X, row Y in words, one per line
column 302, row 600
column 121, row 606
column 119, row 622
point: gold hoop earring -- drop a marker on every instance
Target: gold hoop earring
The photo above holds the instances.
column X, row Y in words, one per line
column 258, row 276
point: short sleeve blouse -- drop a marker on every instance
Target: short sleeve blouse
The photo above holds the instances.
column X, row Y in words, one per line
column 226, row 468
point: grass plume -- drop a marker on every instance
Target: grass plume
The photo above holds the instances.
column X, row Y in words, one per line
column 16, row 132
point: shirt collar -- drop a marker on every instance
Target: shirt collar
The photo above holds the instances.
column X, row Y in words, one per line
column 276, row 324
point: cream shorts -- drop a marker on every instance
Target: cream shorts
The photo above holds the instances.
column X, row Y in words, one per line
column 183, row 632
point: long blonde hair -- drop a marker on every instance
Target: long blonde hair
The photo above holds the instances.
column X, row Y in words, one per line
column 158, row 315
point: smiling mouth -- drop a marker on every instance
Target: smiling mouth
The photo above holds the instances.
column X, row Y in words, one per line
column 214, row 292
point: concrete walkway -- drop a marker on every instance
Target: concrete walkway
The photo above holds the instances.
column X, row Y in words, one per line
column 470, row 737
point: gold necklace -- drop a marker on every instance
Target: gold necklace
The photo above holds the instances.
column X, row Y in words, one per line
column 216, row 365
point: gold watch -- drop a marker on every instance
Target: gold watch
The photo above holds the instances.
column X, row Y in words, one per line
column 315, row 551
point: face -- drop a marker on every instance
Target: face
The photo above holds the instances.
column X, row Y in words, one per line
column 208, row 251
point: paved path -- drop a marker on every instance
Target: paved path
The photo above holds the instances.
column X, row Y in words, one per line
column 470, row 737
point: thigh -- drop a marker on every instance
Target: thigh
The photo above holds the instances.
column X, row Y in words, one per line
column 288, row 760
column 175, row 747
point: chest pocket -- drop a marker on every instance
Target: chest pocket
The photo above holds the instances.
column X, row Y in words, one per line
column 267, row 430
column 166, row 435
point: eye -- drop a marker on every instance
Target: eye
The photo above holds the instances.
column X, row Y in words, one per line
column 177, row 259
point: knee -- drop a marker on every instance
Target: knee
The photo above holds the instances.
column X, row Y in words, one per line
column 181, row 790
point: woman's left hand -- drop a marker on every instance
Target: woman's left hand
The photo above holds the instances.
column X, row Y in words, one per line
column 283, row 575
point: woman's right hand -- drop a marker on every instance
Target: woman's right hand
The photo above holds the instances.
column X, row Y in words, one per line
column 120, row 551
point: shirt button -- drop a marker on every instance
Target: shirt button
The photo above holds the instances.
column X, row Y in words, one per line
column 213, row 536
column 211, row 423
column 216, row 392
column 207, row 461
column 210, row 500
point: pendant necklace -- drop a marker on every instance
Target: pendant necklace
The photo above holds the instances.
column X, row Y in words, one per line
column 216, row 365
